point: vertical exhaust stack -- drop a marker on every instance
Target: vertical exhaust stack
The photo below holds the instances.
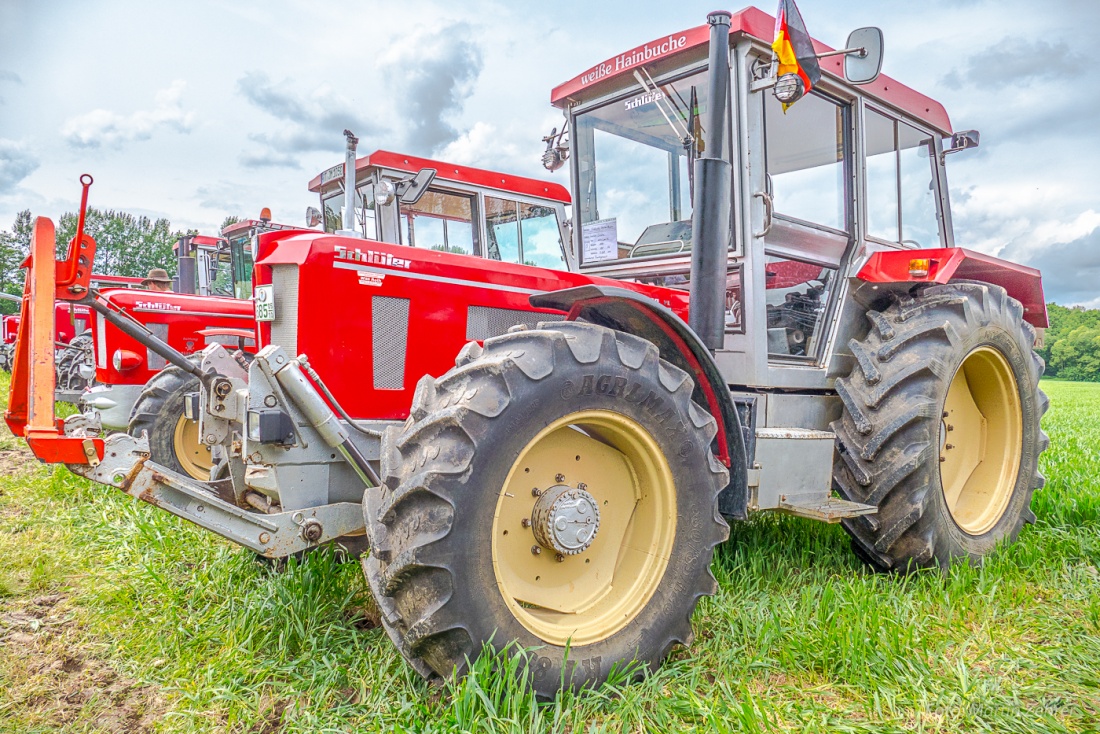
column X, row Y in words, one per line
column 185, row 266
column 349, row 181
column 710, row 218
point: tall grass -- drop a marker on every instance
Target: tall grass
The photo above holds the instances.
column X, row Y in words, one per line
column 799, row 637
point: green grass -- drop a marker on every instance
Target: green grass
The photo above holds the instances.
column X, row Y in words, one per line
column 115, row 616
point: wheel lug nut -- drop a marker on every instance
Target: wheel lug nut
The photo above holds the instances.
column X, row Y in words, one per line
column 535, row 549
column 943, row 459
column 949, row 446
column 950, row 427
column 559, row 478
column 536, row 492
column 525, row 522
column 560, row 557
column 945, row 414
column 582, row 486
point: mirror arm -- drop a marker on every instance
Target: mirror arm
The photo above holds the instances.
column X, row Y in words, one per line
column 861, row 52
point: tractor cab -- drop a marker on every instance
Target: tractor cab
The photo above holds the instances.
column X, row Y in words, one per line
column 221, row 266
column 815, row 188
column 461, row 210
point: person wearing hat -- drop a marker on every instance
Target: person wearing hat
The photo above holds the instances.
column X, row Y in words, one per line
column 157, row 280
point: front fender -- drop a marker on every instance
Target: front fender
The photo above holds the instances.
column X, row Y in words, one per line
column 633, row 313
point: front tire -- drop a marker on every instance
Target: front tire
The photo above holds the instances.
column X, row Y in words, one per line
column 940, row 428
column 174, row 441
column 557, row 489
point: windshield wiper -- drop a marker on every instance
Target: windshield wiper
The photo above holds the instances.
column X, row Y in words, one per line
column 651, row 88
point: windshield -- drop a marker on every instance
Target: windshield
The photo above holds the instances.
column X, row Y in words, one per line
column 634, row 161
column 221, row 273
column 333, row 207
column 241, row 248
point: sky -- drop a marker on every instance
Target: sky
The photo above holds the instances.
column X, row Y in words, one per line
column 198, row 110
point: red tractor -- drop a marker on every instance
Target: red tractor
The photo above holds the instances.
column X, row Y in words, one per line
column 768, row 312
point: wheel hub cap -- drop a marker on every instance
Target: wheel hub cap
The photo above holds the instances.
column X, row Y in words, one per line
column 565, row 519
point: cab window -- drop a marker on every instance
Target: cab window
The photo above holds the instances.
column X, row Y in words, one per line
column 519, row 232
column 796, row 294
column 364, row 211
column 901, row 189
column 633, row 163
column 440, row 220
column 805, row 159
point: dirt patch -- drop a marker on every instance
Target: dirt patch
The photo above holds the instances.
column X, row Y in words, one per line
column 16, row 459
column 52, row 682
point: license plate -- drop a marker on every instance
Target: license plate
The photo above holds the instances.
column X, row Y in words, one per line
column 265, row 302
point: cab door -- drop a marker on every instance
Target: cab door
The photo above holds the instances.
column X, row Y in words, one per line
column 801, row 199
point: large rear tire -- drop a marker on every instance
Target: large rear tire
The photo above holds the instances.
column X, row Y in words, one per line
column 557, row 489
column 941, row 428
column 174, row 441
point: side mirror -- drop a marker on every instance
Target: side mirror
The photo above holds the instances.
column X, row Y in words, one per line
column 313, row 216
column 863, row 62
column 960, row 141
column 963, row 140
column 410, row 190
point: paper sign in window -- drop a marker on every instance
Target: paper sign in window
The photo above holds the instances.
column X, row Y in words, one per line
column 600, row 240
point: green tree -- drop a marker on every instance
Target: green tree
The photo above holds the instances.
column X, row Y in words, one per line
column 14, row 246
column 125, row 244
column 228, row 221
column 1063, row 321
column 1076, row 356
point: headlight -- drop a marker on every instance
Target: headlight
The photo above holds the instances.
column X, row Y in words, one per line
column 124, row 360
column 270, row 425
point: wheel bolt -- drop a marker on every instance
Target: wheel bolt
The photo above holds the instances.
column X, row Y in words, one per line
column 943, row 459
column 525, row 522
column 560, row 557
column 536, row 492
column 950, row 427
column 949, row 446
column 535, row 549
column 945, row 414
column 559, row 478
column 582, row 486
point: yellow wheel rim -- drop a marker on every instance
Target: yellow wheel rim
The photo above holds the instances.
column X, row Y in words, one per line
column 981, row 440
column 192, row 454
column 587, row 597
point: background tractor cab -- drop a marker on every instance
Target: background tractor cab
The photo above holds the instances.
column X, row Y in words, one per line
column 460, row 210
column 222, row 266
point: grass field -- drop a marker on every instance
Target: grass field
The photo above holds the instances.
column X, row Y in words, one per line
column 117, row 617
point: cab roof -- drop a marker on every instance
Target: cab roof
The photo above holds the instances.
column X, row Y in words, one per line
column 450, row 172
column 756, row 24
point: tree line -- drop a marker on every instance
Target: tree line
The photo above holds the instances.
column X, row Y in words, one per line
column 125, row 245
column 1071, row 346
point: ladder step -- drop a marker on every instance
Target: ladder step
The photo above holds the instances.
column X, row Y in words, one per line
column 795, row 434
column 827, row 509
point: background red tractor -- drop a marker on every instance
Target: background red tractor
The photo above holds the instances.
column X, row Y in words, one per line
column 767, row 311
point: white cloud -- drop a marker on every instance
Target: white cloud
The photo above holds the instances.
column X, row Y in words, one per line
column 16, row 163
column 102, row 128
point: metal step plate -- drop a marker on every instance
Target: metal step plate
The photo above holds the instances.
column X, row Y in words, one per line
column 827, row 509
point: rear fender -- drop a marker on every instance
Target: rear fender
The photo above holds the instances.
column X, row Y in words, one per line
column 956, row 263
column 633, row 313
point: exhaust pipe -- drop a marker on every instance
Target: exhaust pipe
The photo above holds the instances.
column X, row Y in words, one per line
column 710, row 218
column 349, row 181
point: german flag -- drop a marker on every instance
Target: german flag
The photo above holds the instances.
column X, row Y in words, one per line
column 793, row 47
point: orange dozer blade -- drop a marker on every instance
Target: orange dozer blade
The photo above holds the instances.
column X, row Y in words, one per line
column 30, row 398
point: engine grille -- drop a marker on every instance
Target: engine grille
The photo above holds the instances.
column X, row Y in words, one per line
column 284, row 329
column 483, row 322
column 390, row 338
column 152, row 359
